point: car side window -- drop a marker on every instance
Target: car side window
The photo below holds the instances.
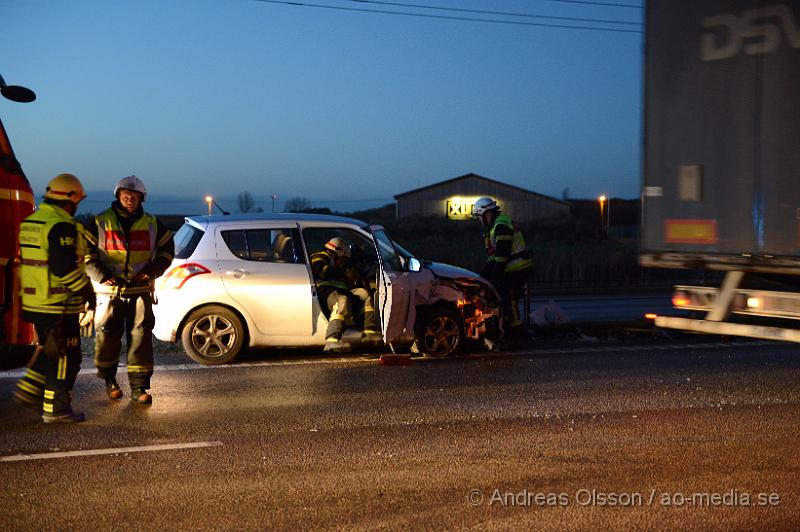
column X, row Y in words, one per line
column 264, row 245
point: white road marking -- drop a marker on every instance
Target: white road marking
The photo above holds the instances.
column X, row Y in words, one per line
column 116, row 450
column 16, row 374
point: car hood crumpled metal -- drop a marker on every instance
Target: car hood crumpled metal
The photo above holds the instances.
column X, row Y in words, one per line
column 450, row 272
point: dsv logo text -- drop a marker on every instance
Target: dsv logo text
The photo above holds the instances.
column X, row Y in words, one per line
column 754, row 31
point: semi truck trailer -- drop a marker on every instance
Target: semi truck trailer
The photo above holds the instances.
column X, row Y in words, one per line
column 721, row 165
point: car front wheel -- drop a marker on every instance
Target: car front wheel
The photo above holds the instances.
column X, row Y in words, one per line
column 440, row 333
column 213, row 335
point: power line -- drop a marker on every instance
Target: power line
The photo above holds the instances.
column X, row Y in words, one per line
column 446, row 17
column 500, row 13
column 605, row 4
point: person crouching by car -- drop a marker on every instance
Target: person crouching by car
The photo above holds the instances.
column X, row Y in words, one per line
column 128, row 250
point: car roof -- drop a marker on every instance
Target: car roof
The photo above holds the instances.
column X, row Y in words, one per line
column 275, row 217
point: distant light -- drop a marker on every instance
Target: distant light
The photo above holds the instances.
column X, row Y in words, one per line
column 602, row 199
column 680, row 300
column 754, row 302
column 209, row 199
column 650, row 316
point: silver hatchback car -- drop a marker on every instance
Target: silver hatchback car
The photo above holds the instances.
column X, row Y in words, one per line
column 244, row 280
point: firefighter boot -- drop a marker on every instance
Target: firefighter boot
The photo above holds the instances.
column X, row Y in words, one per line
column 336, row 345
column 112, row 388
column 140, row 395
column 65, row 417
column 371, row 338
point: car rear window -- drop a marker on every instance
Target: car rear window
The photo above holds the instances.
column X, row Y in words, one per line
column 264, row 245
column 186, row 240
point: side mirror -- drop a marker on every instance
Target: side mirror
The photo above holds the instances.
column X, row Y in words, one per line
column 414, row 265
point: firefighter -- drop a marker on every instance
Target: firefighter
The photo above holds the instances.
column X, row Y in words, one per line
column 508, row 263
column 330, row 275
column 359, row 287
column 128, row 250
column 54, row 290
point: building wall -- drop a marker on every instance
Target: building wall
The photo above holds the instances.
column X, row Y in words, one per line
column 522, row 206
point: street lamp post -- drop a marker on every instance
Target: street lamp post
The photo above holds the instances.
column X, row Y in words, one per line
column 274, row 197
column 602, row 200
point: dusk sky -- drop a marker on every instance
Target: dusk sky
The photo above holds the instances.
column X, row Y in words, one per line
column 337, row 106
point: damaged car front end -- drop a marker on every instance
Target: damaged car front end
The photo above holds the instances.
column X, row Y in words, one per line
column 451, row 306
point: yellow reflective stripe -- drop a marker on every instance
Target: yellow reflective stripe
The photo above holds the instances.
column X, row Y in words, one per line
column 48, row 408
column 78, row 284
column 504, row 237
column 164, row 239
column 62, row 369
column 139, row 369
column 90, row 237
column 103, row 289
column 71, row 276
column 49, row 394
column 54, row 309
column 370, row 331
column 336, row 317
column 101, row 364
column 28, row 387
column 35, row 376
column 12, row 194
column 500, row 259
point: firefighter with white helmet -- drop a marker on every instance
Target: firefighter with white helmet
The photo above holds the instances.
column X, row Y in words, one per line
column 508, row 263
column 54, row 291
column 128, row 250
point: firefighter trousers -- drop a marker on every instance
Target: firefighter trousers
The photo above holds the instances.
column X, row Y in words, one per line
column 50, row 379
column 511, row 287
column 131, row 316
column 338, row 302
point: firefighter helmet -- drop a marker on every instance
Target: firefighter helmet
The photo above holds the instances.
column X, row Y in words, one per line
column 65, row 187
column 340, row 246
column 483, row 205
column 131, row 183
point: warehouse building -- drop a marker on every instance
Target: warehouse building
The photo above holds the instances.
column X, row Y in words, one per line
column 454, row 198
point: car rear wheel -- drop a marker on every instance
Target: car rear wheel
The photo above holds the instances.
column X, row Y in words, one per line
column 440, row 333
column 213, row 335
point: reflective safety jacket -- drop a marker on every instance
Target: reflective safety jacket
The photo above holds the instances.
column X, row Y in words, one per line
column 124, row 255
column 52, row 274
column 503, row 232
column 326, row 272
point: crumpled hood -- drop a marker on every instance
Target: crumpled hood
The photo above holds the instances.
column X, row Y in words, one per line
column 450, row 272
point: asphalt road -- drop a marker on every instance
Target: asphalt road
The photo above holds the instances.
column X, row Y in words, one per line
column 636, row 434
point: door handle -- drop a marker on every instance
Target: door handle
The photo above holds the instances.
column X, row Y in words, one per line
column 238, row 273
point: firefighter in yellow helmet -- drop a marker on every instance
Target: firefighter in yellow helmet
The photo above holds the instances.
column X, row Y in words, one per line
column 508, row 263
column 128, row 250
column 54, row 290
column 329, row 267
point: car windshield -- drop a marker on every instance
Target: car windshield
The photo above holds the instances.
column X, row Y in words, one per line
column 386, row 247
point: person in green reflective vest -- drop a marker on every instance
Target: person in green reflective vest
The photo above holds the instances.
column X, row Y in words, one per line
column 54, row 291
column 128, row 250
column 508, row 262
